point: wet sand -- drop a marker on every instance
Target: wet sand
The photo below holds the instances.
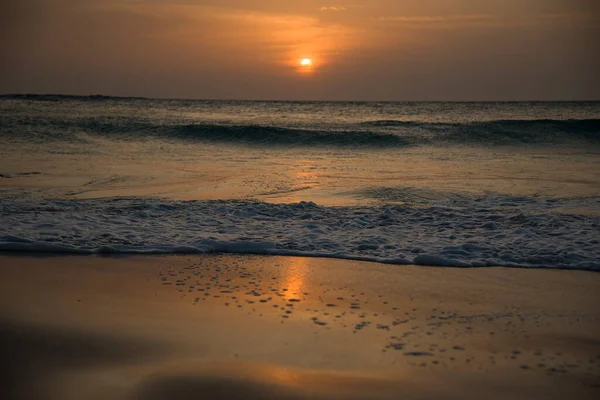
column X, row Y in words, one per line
column 255, row 327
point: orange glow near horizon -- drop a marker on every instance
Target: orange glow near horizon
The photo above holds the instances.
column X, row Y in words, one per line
column 255, row 49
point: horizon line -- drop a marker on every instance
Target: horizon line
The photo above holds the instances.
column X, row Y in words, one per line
column 102, row 96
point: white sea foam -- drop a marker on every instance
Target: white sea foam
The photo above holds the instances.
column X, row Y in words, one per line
column 477, row 235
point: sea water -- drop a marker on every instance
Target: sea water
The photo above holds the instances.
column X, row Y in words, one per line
column 446, row 184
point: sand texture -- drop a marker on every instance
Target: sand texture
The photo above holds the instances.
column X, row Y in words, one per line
column 255, row 327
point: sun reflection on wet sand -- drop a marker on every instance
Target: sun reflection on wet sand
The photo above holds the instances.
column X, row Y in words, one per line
column 294, row 277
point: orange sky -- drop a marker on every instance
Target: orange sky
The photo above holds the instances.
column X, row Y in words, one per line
column 251, row 49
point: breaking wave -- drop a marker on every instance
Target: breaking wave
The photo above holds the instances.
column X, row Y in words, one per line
column 380, row 134
column 473, row 235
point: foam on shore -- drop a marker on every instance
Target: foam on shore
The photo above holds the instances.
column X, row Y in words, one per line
column 475, row 235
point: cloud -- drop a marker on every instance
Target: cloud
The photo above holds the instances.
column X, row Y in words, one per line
column 504, row 20
column 440, row 18
column 333, row 8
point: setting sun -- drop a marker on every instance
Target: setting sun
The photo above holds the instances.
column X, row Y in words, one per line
column 306, row 62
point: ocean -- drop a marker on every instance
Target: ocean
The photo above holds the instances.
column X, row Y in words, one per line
column 439, row 184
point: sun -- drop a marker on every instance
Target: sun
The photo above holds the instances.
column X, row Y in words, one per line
column 306, row 62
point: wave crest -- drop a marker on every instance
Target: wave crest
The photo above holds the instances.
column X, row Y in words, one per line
column 377, row 134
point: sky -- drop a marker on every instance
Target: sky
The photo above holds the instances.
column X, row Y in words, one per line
column 415, row 50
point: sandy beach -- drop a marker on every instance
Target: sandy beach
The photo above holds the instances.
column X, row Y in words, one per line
column 256, row 327
column 299, row 200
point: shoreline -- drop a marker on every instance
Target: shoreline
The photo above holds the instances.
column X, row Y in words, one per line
column 399, row 263
column 150, row 327
column 369, row 260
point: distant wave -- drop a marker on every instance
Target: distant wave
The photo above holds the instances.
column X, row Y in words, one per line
column 391, row 122
column 234, row 134
column 523, row 131
column 503, row 132
column 260, row 135
column 63, row 97
column 382, row 133
column 476, row 235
